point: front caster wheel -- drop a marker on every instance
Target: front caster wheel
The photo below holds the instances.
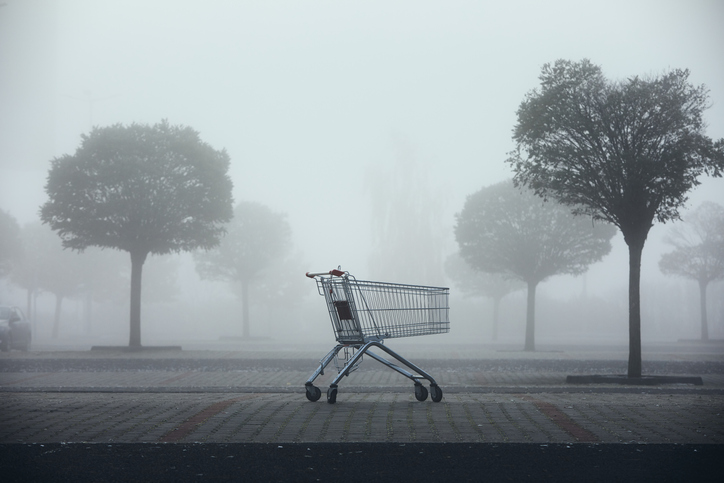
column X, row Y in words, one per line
column 313, row 393
column 332, row 395
column 420, row 392
column 435, row 393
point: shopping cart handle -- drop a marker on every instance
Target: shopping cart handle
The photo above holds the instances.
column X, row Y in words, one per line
column 334, row 273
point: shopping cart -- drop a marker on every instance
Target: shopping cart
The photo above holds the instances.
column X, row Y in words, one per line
column 365, row 313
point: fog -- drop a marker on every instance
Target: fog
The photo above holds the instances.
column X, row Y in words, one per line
column 367, row 123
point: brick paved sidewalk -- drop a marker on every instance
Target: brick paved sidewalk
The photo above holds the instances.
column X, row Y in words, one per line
column 360, row 417
column 266, row 404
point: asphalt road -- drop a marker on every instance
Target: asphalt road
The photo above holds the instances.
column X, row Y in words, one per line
column 418, row 462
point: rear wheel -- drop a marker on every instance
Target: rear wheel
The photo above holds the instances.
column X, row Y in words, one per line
column 435, row 393
column 332, row 395
column 313, row 393
column 6, row 344
column 420, row 392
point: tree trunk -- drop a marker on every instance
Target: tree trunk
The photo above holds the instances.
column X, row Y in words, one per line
column 29, row 299
column 496, row 315
column 30, row 314
column 635, row 249
column 88, row 310
column 245, row 308
column 137, row 260
column 702, row 302
column 530, row 318
column 56, row 318
column 35, row 310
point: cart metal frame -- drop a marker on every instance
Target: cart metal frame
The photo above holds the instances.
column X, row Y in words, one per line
column 365, row 313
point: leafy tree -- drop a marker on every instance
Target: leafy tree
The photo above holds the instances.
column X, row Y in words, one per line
column 624, row 152
column 698, row 252
column 143, row 190
column 512, row 232
column 256, row 237
column 10, row 246
column 474, row 283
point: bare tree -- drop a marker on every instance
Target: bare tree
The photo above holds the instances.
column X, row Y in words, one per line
column 406, row 220
column 698, row 252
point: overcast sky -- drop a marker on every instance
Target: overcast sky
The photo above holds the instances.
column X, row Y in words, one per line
column 313, row 99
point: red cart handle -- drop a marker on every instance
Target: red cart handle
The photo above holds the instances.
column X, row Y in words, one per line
column 334, row 273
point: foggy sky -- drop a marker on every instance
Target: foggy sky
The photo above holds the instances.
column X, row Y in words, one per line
column 309, row 97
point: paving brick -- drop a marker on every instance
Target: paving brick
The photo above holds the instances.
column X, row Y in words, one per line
column 374, row 405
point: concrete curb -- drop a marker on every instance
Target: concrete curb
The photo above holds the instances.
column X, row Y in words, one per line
column 634, row 381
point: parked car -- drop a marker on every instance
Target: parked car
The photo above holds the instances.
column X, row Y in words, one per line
column 14, row 329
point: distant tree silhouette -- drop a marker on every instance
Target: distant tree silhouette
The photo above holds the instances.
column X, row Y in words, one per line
column 44, row 266
column 61, row 274
column 512, row 232
column 102, row 274
column 10, row 246
column 143, row 190
column 475, row 283
column 407, row 213
column 624, row 152
column 256, row 238
column 698, row 252
column 279, row 288
column 28, row 265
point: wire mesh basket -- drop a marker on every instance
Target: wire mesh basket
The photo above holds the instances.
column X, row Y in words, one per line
column 361, row 310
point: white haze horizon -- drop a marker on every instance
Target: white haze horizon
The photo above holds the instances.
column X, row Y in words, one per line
column 328, row 109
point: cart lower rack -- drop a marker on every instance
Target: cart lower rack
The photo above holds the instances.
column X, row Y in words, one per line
column 365, row 313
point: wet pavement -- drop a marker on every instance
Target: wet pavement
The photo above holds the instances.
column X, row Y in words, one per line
column 256, row 399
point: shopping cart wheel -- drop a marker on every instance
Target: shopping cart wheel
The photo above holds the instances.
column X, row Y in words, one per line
column 313, row 393
column 435, row 393
column 332, row 395
column 420, row 392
